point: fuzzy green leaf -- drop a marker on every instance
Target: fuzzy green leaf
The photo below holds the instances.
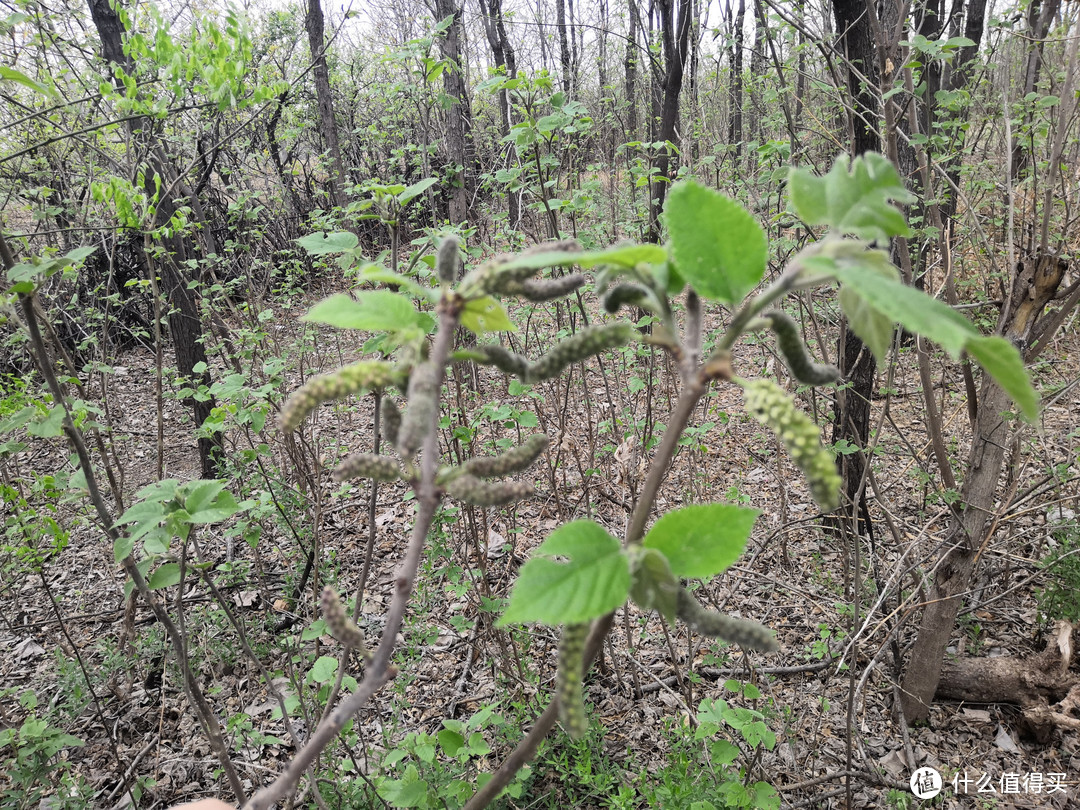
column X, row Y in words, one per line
column 853, row 198
column 486, row 315
column 715, row 243
column 593, row 581
column 700, row 541
column 1000, row 359
column 372, row 311
column 165, row 576
column 324, row 244
column 654, row 587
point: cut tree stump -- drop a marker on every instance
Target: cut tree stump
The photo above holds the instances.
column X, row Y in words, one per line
column 1041, row 685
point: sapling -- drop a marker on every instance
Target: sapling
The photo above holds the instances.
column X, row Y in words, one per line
column 581, row 574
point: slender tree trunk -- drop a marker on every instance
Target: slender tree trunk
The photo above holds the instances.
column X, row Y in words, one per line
column 675, row 19
column 1039, row 16
column 459, row 115
column 315, row 26
column 735, row 59
column 564, row 45
column 630, row 72
column 185, row 323
column 503, row 53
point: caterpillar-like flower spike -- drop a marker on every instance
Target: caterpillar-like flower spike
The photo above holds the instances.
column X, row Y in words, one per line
column 492, row 354
column 626, row 294
column 540, row 290
column 470, row 489
column 446, row 259
column 568, row 677
column 367, row 375
column 516, row 459
column 584, row 344
column 751, row 635
column 341, row 625
column 367, row 465
column 796, row 355
column 771, row 406
column 391, row 420
column 423, row 399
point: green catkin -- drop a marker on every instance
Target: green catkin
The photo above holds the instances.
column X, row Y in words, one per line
column 367, row 465
column 771, row 406
column 423, row 400
column 751, row 635
column 796, row 355
column 492, row 354
column 584, row 344
column 513, row 460
column 568, row 686
column 342, row 627
column 540, row 290
column 367, row 375
column 471, row 490
column 627, row 294
column 446, row 260
column 391, row 420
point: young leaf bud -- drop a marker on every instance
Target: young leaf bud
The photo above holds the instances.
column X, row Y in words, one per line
column 568, row 677
column 423, row 400
column 516, row 459
column 446, row 260
column 367, row 375
column 342, row 627
column 627, row 294
column 470, row 489
column 584, row 344
column 709, row 623
column 543, row 289
column 391, row 419
column 798, row 359
column 771, row 406
column 367, row 465
column 492, row 354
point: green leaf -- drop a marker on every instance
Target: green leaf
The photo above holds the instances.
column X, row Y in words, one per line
column 451, row 742
column 51, row 426
column 624, row 256
column 372, row 311
column 324, row 669
column 1001, row 360
column 594, row 581
column 223, row 507
column 415, row 190
column 872, row 327
column 653, row 586
column 12, row 75
column 165, row 576
column 200, row 494
column 914, row 310
column 486, row 315
column 715, row 243
column 122, row 548
column 852, row 198
column 700, row 541
column 323, row 244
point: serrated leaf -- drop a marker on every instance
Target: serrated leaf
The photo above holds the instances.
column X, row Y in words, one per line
column 17, row 76
column 715, row 243
column 594, row 581
column 1001, row 360
column 486, row 315
column 372, row 311
column 324, row 244
column 223, row 507
column 914, row 310
column 165, row 576
column 872, row 327
column 415, row 190
column 653, row 586
column 853, row 198
column 200, row 494
column 702, row 540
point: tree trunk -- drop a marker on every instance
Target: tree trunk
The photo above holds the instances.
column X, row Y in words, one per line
column 564, row 46
column 675, row 18
column 185, row 323
column 1036, row 284
column 735, row 59
column 630, row 73
column 503, row 53
column 459, row 116
column 315, row 27
column 1039, row 17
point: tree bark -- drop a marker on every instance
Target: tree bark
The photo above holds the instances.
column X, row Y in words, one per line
column 315, row 26
column 564, row 46
column 459, row 115
column 630, row 72
column 503, row 53
column 675, row 18
column 185, row 323
column 1035, row 286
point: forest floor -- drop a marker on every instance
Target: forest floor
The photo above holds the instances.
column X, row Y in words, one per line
column 829, row 718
